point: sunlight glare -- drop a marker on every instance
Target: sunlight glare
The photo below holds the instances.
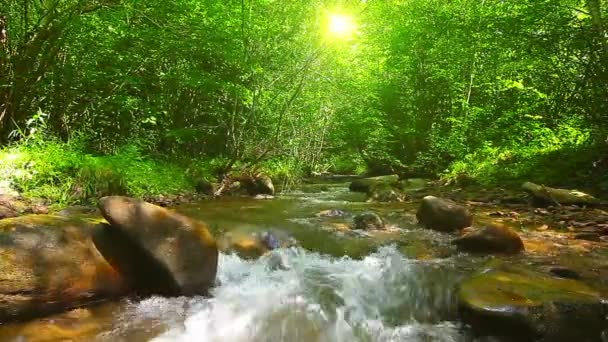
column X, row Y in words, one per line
column 341, row 26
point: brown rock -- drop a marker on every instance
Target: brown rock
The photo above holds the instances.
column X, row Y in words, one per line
column 491, row 239
column 443, row 215
column 7, row 213
column 40, row 209
column 50, row 264
column 182, row 249
column 244, row 245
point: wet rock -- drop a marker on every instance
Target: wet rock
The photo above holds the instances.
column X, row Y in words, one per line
column 253, row 246
column 182, row 247
column 546, row 196
column 491, row 239
column 204, row 187
column 385, row 193
column 270, row 240
column 443, row 215
column 587, row 236
column 368, row 221
column 50, row 264
column 331, row 213
column 7, row 213
column 245, row 246
column 526, row 305
column 366, row 185
column 261, row 185
column 564, row 272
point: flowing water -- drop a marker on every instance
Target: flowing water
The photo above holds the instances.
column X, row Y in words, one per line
column 397, row 286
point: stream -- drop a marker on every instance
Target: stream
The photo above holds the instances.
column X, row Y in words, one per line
column 398, row 285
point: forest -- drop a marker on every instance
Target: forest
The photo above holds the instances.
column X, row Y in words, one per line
column 304, row 170
column 148, row 97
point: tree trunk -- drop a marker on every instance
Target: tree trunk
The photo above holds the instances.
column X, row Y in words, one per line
column 595, row 9
column 5, row 85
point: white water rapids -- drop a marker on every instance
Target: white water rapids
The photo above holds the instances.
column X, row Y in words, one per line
column 383, row 297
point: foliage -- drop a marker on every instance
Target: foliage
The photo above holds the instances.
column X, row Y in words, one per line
column 118, row 90
column 64, row 173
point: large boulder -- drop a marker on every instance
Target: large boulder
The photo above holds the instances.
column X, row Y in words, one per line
column 50, row 264
column 183, row 250
column 526, row 305
column 491, row 239
column 443, row 215
column 545, row 196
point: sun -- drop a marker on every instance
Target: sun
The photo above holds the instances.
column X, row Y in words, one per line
column 341, row 26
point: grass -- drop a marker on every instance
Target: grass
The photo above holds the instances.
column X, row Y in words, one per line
column 64, row 173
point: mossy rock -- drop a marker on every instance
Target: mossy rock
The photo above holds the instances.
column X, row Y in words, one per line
column 50, row 263
column 384, row 192
column 526, row 305
column 368, row 184
column 545, row 196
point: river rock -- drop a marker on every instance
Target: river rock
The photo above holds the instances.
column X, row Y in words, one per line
column 182, row 247
column 261, row 185
column 526, row 305
column 49, row 264
column 366, row 185
column 7, row 212
column 545, row 196
column 443, row 215
column 385, row 193
column 491, row 239
column 246, row 246
column 204, row 187
column 254, row 245
column 368, row 221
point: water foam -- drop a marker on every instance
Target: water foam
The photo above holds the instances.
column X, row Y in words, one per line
column 383, row 297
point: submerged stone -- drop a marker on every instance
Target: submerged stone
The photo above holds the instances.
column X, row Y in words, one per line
column 527, row 305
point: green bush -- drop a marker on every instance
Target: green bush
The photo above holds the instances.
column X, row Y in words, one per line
column 63, row 173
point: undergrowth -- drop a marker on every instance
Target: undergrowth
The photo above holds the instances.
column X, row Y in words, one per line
column 64, row 173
